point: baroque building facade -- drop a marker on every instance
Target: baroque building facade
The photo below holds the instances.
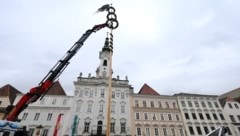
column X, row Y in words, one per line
column 155, row 115
column 91, row 101
column 202, row 114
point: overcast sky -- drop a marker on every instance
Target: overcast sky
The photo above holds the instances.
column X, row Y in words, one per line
column 174, row 46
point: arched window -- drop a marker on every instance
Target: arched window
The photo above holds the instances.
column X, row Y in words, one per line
column 105, row 63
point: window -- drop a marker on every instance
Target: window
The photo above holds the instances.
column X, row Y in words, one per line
column 81, row 93
column 196, row 103
column 102, row 93
column 154, row 116
column 216, row 104
column 138, row 131
column 167, row 105
column 91, row 94
column 181, row 132
column 113, row 108
column 206, row 130
column 173, row 132
column 159, row 104
column 212, row 128
column 89, row 108
column 210, row 104
column 230, row 105
column 152, row 104
column 203, row 104
column 164, row 131
column 31, row 130
column 144, row 104
column 191, row 130
column 174, row 105
column 136, row 103
column 24, row 116
column 145, row 116
column 215, row 116
column 186, row 115
column 45, row 132
column 232, row 118
column 78, row 108
column 183, row 103
column 208, row 116
column 113, row 95
column 189, row 103
column 147, row 132
column 194, row 116
column 199, row 130
column 162, row 116
column 123, row 127
column 64, row 101
column 177, row 117
column 221, row 116
column 86, row 127
column 49, row 117
column 238, row 116
column 156, row 132
column 201, row 116
column 36, row 116
column 122, row 109
column 169, row 117
column 137, row 115
column 112, row 127
column 236, row 106
column 104, row 62
column 101, row 108
column 54, row 101
column 122, row 95
column 229, row 131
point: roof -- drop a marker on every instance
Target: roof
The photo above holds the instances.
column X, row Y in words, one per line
column 9, row 91
column 235, row 94
column 147, row 90
column 56, row 89
column 194, row 95
column 223, row 101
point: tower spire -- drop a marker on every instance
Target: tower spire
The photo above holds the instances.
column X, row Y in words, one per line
column 104, row 56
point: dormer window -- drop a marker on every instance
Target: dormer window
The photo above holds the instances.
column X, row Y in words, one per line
column 105, row 63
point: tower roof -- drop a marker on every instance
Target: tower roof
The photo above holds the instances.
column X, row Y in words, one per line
column 146, row 89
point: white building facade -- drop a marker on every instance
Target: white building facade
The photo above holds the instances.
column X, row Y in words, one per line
column 91, row 101
column 47, row 117
column 232, row 111
column 202, row 114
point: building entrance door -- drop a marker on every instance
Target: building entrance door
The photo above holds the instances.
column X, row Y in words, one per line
column 99, row 128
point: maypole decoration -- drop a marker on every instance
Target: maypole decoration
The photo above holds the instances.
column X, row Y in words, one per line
column 111, row 23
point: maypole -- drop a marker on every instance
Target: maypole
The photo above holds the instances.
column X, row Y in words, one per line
column 112, row 23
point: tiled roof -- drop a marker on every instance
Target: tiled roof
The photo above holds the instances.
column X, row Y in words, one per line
column 146, row 89
column 9, row 91
column 56, row 89
column 230, row 99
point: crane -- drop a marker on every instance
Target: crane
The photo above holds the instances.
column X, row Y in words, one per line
column 40, row 91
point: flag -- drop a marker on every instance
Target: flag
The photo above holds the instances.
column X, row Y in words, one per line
column 103, row 8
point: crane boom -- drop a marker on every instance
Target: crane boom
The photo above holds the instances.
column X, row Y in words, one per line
column 36, row 92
